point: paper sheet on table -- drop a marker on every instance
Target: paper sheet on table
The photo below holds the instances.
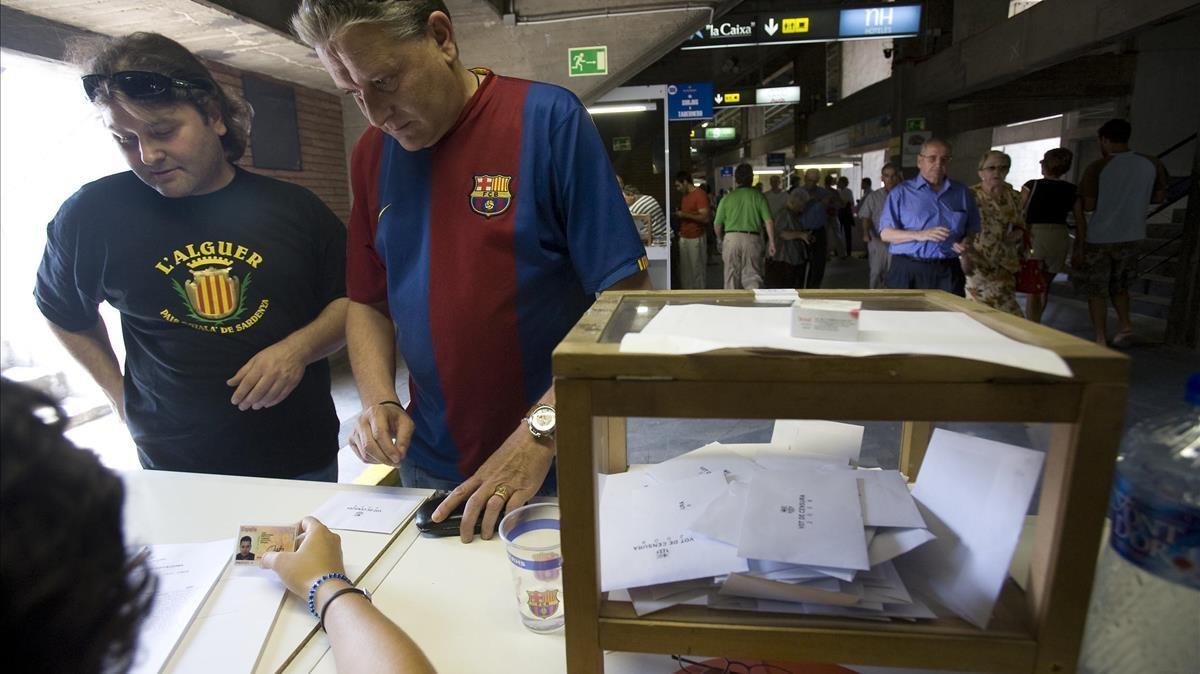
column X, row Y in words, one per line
column 366, row 511
column 644, row 537
column 808, row 517
column 887, row 501
column 186, row 574
column 891, row 543
column 696, row 328
column 814, row 437
column 229, row 634
column 974, row 494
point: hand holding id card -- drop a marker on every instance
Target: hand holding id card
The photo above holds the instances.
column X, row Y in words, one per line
column 254, row 541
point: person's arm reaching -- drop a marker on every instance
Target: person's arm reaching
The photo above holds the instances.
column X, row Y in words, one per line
column 521, row 463
column 362, row 638
column 93, row 350
column 383, row 430
column 273, row 373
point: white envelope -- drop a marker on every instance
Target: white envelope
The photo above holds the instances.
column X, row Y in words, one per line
column 975, row 494
column 743, row 585
column 809, row 517
column 732, row 466
column 886, row 501
column 883, row 584
column 644, row 537
column 645, row 603
column 891, row 543
column 722, row 519
column 819, row 438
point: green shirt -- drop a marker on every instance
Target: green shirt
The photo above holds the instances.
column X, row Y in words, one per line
column 743, row 210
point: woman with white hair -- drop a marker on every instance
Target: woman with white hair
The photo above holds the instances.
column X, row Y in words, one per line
column 994, row 259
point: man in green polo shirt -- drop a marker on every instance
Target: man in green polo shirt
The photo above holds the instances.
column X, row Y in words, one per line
column 741, row 216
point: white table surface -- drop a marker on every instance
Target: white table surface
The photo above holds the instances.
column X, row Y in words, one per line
column 164, row 507
column 456, row 601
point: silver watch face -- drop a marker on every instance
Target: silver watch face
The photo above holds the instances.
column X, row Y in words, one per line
column 541, row 420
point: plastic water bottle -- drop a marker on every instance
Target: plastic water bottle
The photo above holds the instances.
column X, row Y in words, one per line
column 1145, row 610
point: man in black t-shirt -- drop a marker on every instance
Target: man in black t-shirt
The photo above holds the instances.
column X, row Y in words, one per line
column 230, row 285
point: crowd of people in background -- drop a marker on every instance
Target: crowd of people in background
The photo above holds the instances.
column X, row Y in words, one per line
column 932, row 232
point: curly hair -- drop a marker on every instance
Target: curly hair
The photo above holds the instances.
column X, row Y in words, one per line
column 74, row 598
column 156, row 53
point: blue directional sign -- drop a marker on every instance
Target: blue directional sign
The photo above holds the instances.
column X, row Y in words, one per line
column 880, row 21
column 727, row 171
column 689, row 102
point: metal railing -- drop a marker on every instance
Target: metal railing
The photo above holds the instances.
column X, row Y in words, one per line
column 1177, row 189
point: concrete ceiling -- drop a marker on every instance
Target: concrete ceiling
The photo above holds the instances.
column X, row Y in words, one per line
column 531, row 42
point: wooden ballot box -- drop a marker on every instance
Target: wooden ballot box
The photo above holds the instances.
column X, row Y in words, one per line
column 1038, row 630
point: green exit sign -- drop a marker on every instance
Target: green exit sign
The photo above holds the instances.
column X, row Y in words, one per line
column 587, row 61
column 720, row 133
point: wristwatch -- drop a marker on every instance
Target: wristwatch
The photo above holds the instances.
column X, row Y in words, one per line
column 541, row 421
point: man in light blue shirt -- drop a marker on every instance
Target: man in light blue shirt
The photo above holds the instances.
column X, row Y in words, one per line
column 928, row 222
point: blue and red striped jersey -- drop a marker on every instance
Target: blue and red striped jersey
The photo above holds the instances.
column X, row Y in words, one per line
column 488, row 247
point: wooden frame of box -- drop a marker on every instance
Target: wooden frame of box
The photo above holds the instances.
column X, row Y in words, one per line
column 1035, row 631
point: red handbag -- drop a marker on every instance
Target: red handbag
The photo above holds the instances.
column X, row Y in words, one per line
column 1031, row 278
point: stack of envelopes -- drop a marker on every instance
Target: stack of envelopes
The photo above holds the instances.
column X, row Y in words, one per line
column 794, row 527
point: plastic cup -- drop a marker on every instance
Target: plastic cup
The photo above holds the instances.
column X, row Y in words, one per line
column 531, row 535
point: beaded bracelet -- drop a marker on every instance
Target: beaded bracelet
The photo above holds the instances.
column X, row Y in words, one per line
column 312, row 591
column 345, row 590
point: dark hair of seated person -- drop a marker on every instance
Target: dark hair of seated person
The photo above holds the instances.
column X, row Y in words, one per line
column 74, row 598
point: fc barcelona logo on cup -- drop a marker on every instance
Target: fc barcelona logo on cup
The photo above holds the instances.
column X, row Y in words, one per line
column 542, row 604
column 491, row 195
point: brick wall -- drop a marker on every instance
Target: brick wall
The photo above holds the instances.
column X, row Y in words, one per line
column 322, row 152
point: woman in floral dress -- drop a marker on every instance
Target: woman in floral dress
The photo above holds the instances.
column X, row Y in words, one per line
column 994, row 258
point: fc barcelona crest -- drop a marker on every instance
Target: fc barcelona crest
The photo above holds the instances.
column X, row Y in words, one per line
column 542, row 604
column 491, row 195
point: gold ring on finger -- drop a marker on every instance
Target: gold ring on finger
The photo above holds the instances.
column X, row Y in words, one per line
column 503, row 491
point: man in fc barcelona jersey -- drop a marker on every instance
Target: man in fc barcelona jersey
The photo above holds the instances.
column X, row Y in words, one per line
column 230, row 285
column 486, row 217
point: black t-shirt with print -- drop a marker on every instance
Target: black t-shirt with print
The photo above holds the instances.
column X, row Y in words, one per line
column 203, row 283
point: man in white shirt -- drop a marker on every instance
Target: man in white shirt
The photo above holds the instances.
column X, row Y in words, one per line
column 868, row 212
column 1116, row 189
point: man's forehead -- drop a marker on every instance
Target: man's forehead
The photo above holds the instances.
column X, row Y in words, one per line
column 116, row 115
column 936, row 150
column 360, row 53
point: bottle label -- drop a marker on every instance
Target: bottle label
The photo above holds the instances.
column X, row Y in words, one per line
column 1160, row 537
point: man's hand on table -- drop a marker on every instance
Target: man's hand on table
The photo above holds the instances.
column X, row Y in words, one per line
column 268, row 377
column 520, row 464
column 320, row 552
column 382, row 434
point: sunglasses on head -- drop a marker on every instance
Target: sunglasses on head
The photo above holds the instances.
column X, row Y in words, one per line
column 141, row 84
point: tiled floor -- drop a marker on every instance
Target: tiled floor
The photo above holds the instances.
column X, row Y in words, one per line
column 1157, row 382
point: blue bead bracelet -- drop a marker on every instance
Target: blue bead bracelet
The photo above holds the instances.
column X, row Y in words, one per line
column 312, row 591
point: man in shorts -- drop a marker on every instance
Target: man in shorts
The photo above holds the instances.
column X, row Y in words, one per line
column 1116, row 189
